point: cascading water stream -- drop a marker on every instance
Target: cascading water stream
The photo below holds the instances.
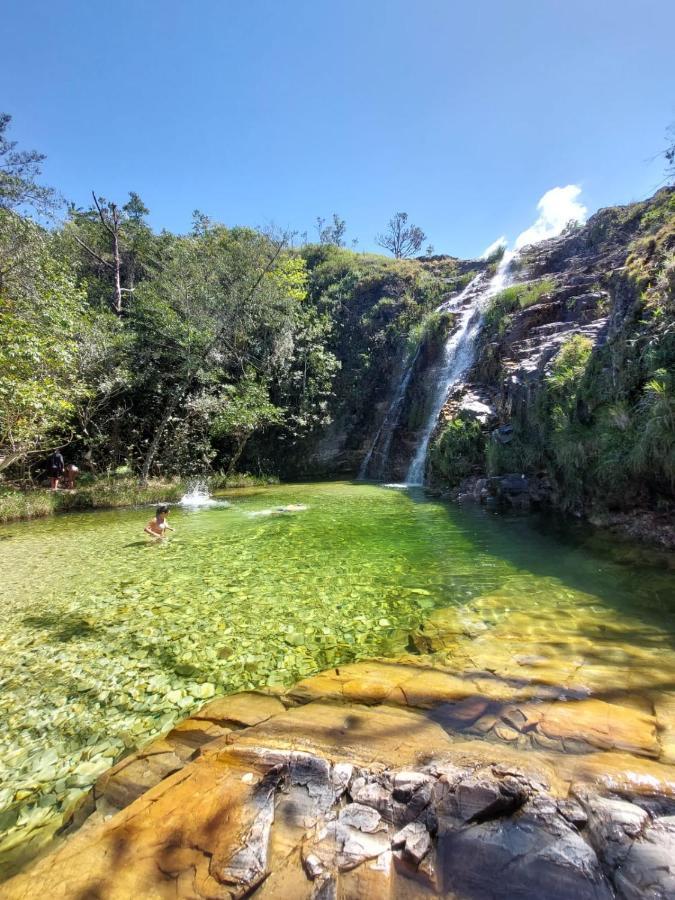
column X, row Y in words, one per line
column 458, row 356
column 389, row 424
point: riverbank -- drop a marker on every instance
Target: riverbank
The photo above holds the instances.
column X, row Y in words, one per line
column 519, row 493
column 109, row 493
column 388, row 778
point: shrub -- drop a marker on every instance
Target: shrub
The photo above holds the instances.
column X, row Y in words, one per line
column 654, row 448
column 432, row 330
column 508, row 301
column 221, row 481
column 458, row 450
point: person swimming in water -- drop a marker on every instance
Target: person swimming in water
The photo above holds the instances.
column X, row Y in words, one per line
column 158, row 526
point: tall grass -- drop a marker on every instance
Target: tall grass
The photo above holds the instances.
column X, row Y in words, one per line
column 109, row 493
column 25, row 505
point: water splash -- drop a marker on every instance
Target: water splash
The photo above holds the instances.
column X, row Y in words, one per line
column 197, row 496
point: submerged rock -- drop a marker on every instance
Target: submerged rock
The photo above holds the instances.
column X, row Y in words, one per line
column 385, row 779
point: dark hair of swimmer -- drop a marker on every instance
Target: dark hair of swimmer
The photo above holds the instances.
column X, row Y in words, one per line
column 162, row 510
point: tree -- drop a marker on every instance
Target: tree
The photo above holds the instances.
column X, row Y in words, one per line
column 40, row 309
column 19, row 173
column 333, row 232
column 401, row 239
column 115, row 237
column 213, row 316
column 245, row 408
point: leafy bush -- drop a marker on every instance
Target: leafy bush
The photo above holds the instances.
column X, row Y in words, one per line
column 511, row 299
column 654, row 448
column 458, row 450
column 432, row 330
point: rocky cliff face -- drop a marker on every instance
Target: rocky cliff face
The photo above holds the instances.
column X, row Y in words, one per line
column 571, row 400
column 382, row 310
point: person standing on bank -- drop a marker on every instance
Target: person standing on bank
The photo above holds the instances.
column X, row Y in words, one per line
column 56, row 467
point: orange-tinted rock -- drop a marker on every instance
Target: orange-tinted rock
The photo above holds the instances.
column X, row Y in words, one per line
column 361, row 734
column 664, row 707
column 246, row 708
column 194, row 733
column 600, row 724
column 619, row 772
column 162, row 846
column 430, row 687
column 136, row 774
column 410, row 684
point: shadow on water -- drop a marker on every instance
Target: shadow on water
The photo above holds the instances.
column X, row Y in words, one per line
column 63, row 628
column 576, row 555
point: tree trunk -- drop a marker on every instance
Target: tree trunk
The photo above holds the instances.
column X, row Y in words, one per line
column 157, row 437
column 118, row 267
column 11, row 456
column 236, row 456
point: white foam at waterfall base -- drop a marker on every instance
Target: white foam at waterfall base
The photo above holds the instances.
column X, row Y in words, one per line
column 458, row 357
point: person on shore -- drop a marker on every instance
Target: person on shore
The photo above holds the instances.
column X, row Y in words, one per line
column 56, row 467
column 158, row 526
column 72, row 472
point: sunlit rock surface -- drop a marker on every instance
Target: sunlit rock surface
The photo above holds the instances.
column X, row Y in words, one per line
column 392, row 779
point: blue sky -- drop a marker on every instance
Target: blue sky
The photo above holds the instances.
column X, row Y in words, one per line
column 463, row 113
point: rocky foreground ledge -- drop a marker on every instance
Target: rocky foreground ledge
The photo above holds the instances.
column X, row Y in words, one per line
column 383, row 780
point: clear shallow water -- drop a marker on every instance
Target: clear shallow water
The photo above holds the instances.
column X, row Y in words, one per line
column 108, row 638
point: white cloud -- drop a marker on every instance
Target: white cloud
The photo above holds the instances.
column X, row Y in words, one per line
column 494, row 246
column 556, row 208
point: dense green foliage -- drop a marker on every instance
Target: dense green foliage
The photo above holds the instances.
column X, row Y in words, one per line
column 179, row 354
column 40, row 309
column 207, row 348
column 164, row 353
column 458, row 451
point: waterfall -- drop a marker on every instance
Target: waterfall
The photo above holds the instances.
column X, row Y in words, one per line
column 458, row 355
column 389, row 423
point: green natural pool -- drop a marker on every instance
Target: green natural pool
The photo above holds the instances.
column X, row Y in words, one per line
column 108, row 638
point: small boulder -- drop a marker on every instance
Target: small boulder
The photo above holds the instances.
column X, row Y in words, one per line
column 415, row 841
column 365, row 818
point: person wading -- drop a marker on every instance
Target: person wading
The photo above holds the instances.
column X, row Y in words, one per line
column 158, row 526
